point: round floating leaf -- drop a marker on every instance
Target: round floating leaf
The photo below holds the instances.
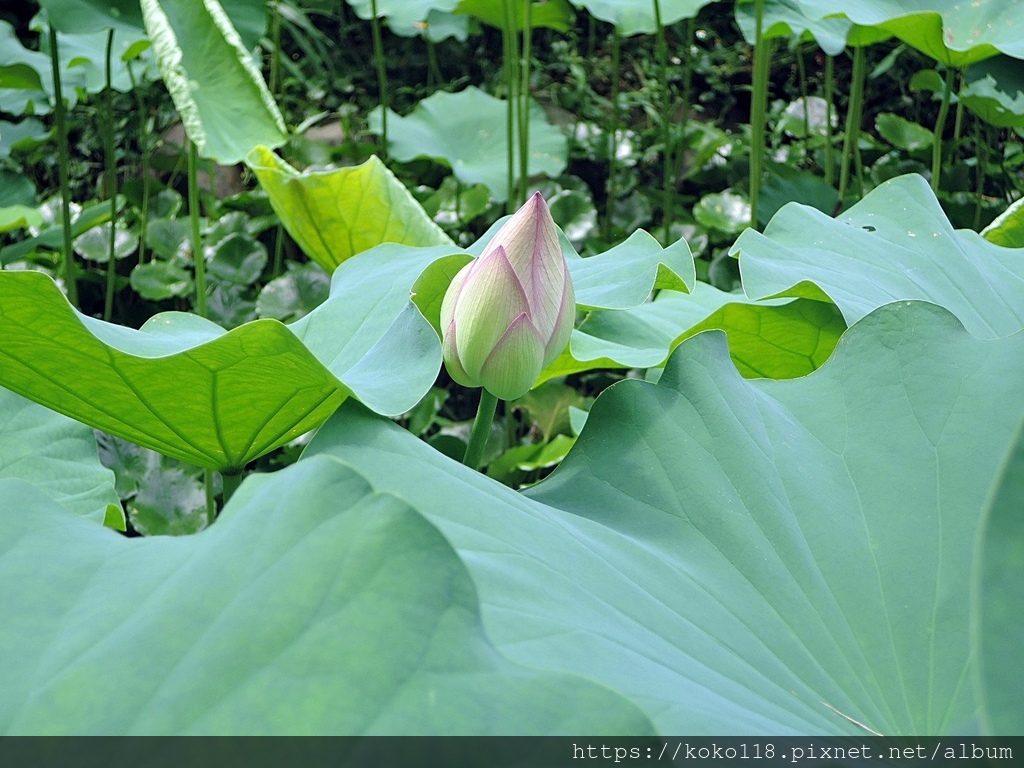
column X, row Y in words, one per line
column 726, row 212
column 237, row 259
column 56, row 454
column 903, row 133
column 95, row 244
column 159, row 280
column 336, row 214
column 771, row 557
column 294, row 294
column 466, row 130
column 315, row 605
column 893, row 245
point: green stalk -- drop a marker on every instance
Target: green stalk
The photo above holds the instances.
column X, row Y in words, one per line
column 802, row 74
column 829, row 95
column 853, row 119
column 481, row 429
column 60, row 117
column 211, row 503
column 229, row 484
column 981, row 151
column 509, row 55
column 382, row 79
column 613, row 143
column 758, row 108
column 940, row 126
column 959, row 119
column 279, row 251
column 111, row 165
column 144, row 151
column 524, row 103
column 666, row 124
column 198, row 258
column 434, row 76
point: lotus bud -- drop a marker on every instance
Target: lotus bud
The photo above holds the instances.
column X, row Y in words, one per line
column 509, row 312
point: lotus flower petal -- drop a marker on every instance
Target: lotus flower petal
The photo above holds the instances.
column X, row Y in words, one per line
column 490, row 300
column 516, row 361
column 451, row 357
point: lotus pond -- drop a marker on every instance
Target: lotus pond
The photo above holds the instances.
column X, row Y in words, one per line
column 722, row 432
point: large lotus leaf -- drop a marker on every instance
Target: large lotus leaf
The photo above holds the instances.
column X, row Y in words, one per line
column 744, row 556
column 998, row 619
column 314, row 605
column 994, row 91
column 335, row 214
column 788, row 18
column 467, row 131
column 637, row 18
column 953, row 32
column 552, row 14
column 216, row 86
column 56, row 454
column 402, row 14
column 894, row 244
column 370, row 335
column 181, row 385
column 778, row 339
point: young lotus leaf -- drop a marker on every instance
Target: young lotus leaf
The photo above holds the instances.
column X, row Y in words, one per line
column 216, row 86
column 957, row 34
column 637, row 18
column 467, row 131
column 746, row 557
column 778, row 339
column 998, row 621
column 335, row 214
column 552, row 14
column 56, row 454
column 314, row 605
column 895, row 244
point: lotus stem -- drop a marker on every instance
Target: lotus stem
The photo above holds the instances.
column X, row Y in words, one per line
column 211, row 502
column 481, row 429
column 666, row 123
column 229, row 484
column 613, row 142
column 111, row 166
column 524, row 103
column 829, row 95
column 940, row 126
column 758, row 108
column 198, row 258
column 981, row 152
column 958, row 121
column 802, row 75
column 60, row 117
column 144, row 151
column 275, row 53
column 509, row 55
column 853, row 119
column 382, row 78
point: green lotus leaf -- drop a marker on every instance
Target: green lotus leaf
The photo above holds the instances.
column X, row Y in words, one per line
column 57, row 455
column 314, row 605
column 998, row 621
column 1007, row 229
column 994, row 91
column 777, row 339
column 788, row 18
column 335, row 214
column 637, row 18
column 746, row 557
column 552, row 14
column 181, row 385
column 216, row 86
column 896, row 244
column 957, row 34
column 466, row 130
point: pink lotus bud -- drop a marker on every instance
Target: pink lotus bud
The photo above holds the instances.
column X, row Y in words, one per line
column 509, row 313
